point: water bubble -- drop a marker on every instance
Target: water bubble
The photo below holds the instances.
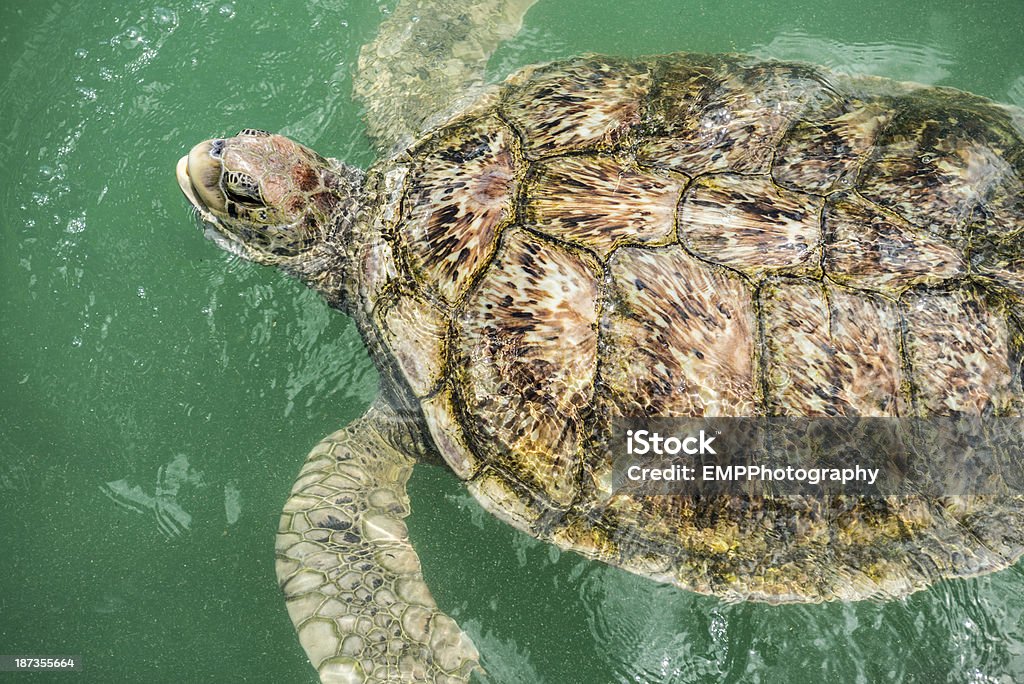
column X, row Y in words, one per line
column 141, row 292
column 135, row 36
column 76, row 225
column 162, row 16
column 226, row 11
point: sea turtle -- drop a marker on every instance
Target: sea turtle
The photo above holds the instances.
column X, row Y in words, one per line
column 600, row 237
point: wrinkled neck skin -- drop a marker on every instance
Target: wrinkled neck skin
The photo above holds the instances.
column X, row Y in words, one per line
column 349, row 268
column 329, row 266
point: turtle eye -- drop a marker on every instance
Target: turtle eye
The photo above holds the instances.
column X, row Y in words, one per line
column 255, row 132
column 242, row 189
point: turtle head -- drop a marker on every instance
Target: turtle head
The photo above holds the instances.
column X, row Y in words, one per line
column 271, row 200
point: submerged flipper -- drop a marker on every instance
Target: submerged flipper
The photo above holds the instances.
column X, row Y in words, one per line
column 350, row 576
column 427, row 60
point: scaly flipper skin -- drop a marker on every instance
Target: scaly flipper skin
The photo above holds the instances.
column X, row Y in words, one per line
column 429, row 59
column 349, row 573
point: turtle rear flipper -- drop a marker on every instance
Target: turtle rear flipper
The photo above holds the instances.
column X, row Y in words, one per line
column 429, row 58
column 350, row 576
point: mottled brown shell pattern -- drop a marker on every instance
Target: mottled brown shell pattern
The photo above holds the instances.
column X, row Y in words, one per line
column 695, row 235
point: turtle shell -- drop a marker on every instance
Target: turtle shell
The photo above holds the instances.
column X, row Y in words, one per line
column 691, row 235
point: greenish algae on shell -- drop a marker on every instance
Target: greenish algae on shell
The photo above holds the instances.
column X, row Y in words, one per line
column 710, row 235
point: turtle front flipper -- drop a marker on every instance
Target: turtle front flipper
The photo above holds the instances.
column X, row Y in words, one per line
column 350, row 576
column 428, row 59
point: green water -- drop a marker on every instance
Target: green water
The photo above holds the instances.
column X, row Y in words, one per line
column 157, row 397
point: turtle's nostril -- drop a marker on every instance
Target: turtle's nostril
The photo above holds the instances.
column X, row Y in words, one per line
column 216, row 147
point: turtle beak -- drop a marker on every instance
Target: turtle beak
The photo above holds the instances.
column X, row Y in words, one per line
column 198, row 175
column 186, row 171
column 184, row 182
